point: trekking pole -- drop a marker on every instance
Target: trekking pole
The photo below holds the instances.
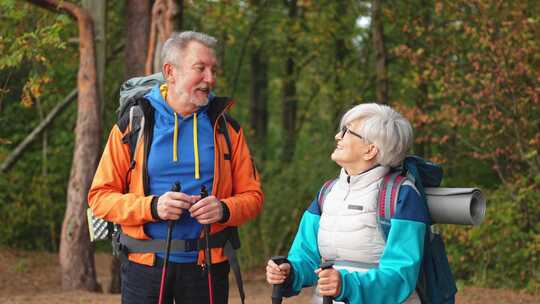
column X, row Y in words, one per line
column 207, row 253
column 327, row 265
column 175, row 188
column 277, row 289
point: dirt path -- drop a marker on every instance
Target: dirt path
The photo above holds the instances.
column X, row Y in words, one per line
column 34, row 277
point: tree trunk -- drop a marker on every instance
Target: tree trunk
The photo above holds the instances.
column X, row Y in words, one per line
column 137, row 26
column 167, row 18
column 97, row 10
column 259, row 100
column 422, row 99
column 340, row 53
column 380, row 52
column 76, row 252
column 289, row 99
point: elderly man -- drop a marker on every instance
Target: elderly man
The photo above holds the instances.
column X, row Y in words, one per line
column 185, row 138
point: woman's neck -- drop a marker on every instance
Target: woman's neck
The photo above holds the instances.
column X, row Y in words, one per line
column 359, row 169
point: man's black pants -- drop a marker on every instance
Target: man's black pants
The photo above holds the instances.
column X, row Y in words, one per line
column 186, row 283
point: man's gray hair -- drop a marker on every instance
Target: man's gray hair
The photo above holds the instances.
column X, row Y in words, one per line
column 385, row 128
column 178, row 42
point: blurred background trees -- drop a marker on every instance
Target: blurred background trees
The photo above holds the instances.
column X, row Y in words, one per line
column 464, row 72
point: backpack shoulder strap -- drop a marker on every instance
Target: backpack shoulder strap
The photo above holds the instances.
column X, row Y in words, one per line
column 325, row 189
column 387, row 199
column 233, row 122
column 131, row 123
column 225, row 131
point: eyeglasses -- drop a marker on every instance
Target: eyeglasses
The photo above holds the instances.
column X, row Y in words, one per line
column 344, row 130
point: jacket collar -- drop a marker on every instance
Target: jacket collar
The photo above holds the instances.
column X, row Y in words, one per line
column 217, row 106
column 364, row 179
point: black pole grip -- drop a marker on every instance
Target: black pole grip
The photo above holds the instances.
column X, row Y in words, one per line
column 327, row 265
column 277, row 289
column 175, row 188
column 204, row 191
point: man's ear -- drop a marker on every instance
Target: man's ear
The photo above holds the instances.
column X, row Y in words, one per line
column 371, row 152
column 168, row 72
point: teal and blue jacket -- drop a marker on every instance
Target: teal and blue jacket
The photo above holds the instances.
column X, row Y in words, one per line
column 393, row 280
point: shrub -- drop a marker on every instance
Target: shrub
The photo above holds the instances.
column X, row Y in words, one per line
column 504, row 250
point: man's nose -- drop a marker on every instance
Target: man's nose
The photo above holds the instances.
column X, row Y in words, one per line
column 209, row 76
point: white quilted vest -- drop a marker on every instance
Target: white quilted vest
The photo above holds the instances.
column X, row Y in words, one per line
column 348, row 229
column 349, row 233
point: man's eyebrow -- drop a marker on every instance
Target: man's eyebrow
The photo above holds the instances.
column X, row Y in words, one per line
column 197, row 63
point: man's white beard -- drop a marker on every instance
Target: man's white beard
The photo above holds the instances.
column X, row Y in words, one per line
column 200, row 103
column 192, row 98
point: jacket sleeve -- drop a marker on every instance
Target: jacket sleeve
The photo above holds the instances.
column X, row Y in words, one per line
column 247, row 199
column 304, row 255
column 106, row 195
column 395, row 278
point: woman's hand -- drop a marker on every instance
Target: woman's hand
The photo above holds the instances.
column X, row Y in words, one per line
column 277, row 274
column 329, row 283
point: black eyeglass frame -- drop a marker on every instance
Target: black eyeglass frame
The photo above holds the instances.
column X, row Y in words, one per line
column 345, row 129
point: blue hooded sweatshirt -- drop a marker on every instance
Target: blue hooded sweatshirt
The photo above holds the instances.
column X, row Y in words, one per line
column 182, row 150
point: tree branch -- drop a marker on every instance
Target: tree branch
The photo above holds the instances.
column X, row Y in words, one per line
column 59, row 7
column 149, row 65
column 59, row 108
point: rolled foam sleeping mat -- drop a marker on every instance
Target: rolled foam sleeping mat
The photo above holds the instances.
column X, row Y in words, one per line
column 462, row 206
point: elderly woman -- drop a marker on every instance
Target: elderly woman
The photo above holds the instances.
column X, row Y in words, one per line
column 367, row 269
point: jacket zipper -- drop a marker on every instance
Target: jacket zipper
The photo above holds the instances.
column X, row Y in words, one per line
column 348, row 188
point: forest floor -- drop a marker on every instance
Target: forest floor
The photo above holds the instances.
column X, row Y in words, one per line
column 34, row 277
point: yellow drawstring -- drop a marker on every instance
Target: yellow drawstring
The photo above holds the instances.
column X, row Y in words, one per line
column 195, row 146
column 163, row 91
column 175, row 139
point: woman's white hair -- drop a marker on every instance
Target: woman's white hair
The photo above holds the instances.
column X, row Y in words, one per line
column 177, row 43
column 385, row 128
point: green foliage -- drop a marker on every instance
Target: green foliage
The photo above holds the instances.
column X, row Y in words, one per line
column 505, row 250
column 31, row 213
column 474, row 66
column 29, row 46
column 288, row 192
column 21, row 266
column 33, row 42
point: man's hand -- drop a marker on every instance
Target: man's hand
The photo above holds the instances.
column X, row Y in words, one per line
column 170, row 205
column 329, row 283
column 277, row 274
column 207, row 210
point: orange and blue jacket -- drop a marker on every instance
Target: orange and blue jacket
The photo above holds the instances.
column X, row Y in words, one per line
column 119, row 191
